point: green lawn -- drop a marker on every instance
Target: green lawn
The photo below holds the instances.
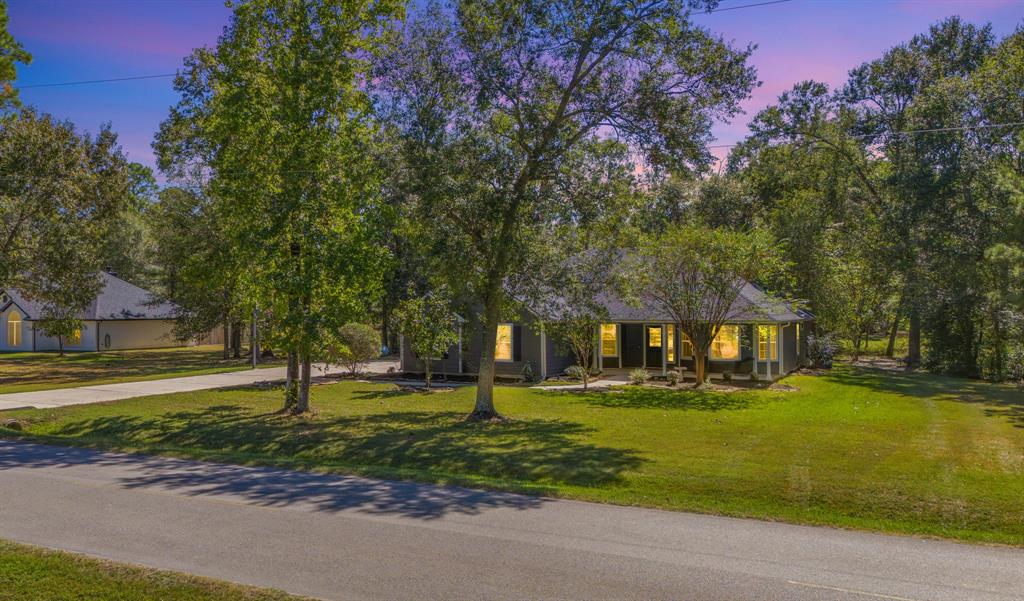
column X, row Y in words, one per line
column 23, row 372
column 34, row 574
column 861, row 448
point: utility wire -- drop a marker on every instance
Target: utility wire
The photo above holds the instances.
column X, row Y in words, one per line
column 92, row 81
column 166, row 75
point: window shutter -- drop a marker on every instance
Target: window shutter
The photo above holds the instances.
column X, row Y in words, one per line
column 517, row 343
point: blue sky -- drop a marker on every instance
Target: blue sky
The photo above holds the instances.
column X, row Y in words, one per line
column 75, row 40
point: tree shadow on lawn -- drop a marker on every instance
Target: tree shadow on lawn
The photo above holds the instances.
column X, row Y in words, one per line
column 527, row 454
column 640, row 397
column 1000, row 400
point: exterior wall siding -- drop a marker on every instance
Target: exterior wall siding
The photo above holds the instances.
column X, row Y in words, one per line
column 50, row 343
column 26, row 333
column 134, row 334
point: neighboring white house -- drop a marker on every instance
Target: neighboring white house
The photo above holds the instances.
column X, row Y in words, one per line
column 122, row 316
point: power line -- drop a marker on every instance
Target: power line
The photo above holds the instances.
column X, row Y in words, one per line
column 92, row 81
column 721, row 10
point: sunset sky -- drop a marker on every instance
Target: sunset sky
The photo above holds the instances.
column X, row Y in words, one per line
column 75, row 40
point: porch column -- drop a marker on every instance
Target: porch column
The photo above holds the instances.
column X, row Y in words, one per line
column 543, row 356
column 461, row 368
column 757, row 359
column 767, row 347
column 599, row 357
column 778, row 343
column 664, row 350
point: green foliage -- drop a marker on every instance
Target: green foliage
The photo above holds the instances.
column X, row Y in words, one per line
column 695, row 274
column 11, row 53
column 493, row 117
column 428, row 325
column 358, row 344
column 290, row 175
column 67, row 191
column 673, row 377
column 821, row 350
column 575, row 372
column 62, row 323
column 638, row 376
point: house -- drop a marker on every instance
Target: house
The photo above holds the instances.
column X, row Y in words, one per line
column 122, row 316
column 762, row 335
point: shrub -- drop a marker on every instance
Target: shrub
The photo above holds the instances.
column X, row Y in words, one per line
column 360, row 343
column 754, row 376
column 575, row 372
column 673, row 377
column 638, row 376
column 821, row 350
column 727, row 376
column 528, row 373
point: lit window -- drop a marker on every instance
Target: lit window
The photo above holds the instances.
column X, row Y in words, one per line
column 797, row 340
column 767, row 339
column 727, row 344
column 670, row 343
column 503, row 347
column 75, row 337
column 14, row 329
column 685, row 346
column 654, row 336
column 609, row 340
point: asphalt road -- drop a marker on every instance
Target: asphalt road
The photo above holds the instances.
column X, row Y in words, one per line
column 351, row 538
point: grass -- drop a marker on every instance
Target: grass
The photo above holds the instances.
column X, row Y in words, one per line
column 34, row 574
column 856, row 447
column 24, row 372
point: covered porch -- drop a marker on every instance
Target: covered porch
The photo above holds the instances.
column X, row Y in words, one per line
column 740, row 349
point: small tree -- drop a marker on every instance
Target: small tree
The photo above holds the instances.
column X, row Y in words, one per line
column 695, row 274
column 60, row 323
column 358, row 345
column 428, row 325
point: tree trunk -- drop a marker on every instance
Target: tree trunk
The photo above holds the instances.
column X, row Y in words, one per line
column 291, row 391
column 890, row 349
column 302, row 403
column 227, row 339
column 698, row 367
column 426, row 371
column 914, row 339
column 236, row 340
column 60, row 345
column 484, row 409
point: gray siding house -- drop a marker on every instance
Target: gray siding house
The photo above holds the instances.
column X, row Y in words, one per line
column 122, row 316
column 763, row 335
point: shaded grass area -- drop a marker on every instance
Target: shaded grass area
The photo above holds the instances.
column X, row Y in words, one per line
column 24, row 372
column 34, row 574
column 856, row 447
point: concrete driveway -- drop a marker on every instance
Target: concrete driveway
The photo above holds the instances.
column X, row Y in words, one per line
column 337, row 537
column 60, row 397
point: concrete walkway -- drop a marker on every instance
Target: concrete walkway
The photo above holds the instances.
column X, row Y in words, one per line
column 43, row 399
column 337, row 537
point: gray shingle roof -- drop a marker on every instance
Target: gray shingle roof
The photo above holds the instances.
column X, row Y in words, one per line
column 752, row 305
column 117, row 299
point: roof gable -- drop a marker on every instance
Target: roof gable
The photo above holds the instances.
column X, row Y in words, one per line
column 117, row 299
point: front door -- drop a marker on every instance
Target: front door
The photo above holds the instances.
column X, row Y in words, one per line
column 654, row 344
column 632, row 345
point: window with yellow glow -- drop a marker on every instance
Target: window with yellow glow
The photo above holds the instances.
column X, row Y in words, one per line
column 503, row 346
column 670, row 344
column 797, row 340
column 685, row 346
column 727, row 344
column 767, row 342
column 609, row 340
column 14, row 329
column 654, row 336
column 75, row 337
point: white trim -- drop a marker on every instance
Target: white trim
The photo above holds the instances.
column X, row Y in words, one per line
column 543, row 355
column 664, row 350
column 782, row 356
column 460, row 347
